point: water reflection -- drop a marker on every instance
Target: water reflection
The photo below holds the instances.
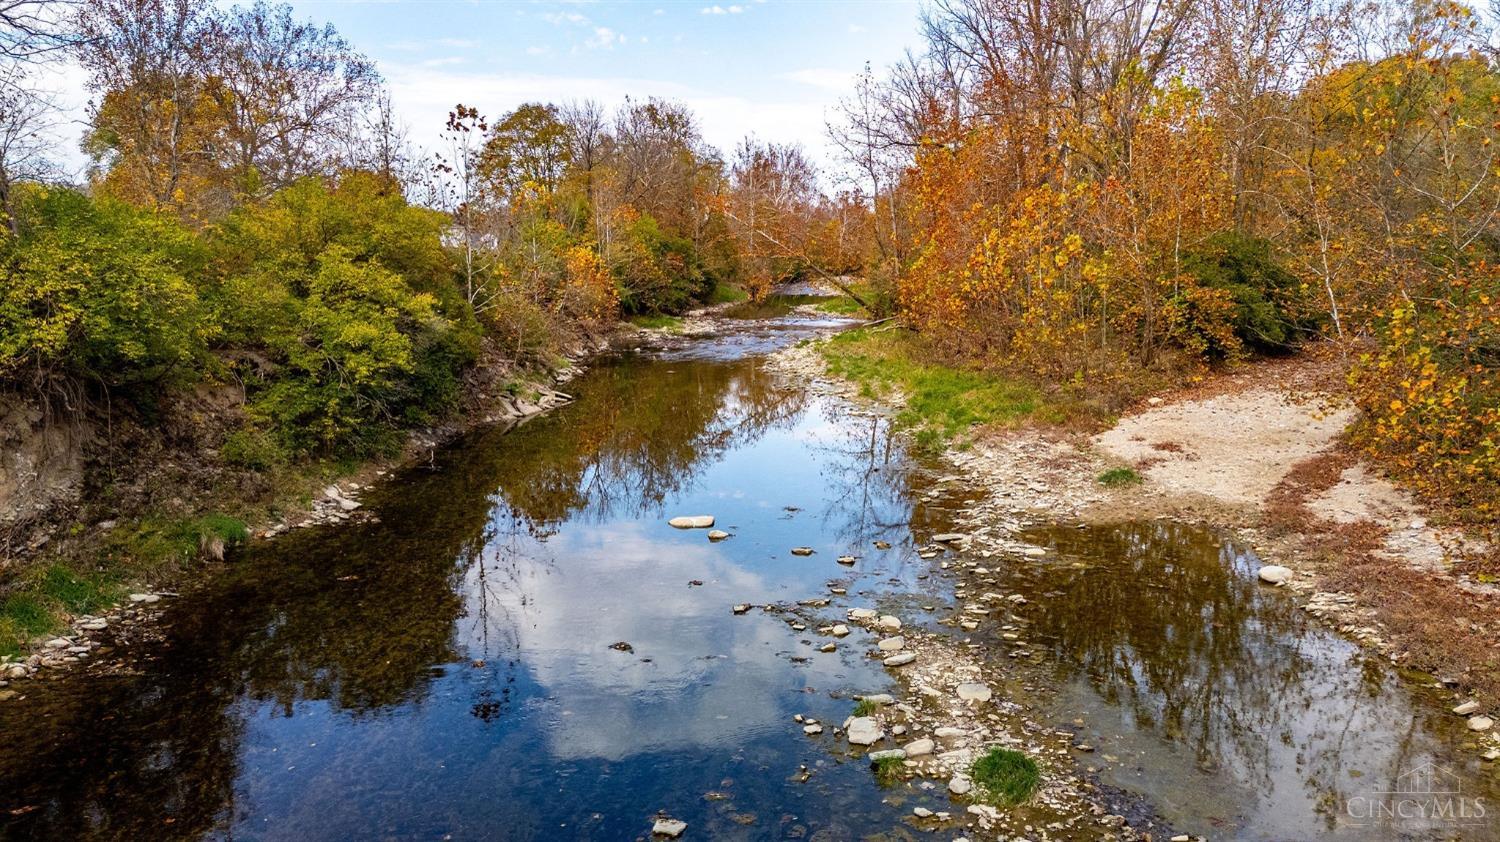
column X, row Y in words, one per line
column 1223, row 702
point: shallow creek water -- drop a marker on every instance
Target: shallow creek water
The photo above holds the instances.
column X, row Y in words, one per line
column 445, row 671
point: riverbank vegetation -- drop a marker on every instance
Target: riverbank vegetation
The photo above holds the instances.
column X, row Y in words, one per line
column 1103, row 201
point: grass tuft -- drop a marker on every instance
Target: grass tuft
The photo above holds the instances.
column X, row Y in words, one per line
column 1119, row 477
column 887, row 769
column 727, row 294
column 1005, row 776
column 865, row 707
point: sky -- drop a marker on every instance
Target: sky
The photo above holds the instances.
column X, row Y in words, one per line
column 772, row 68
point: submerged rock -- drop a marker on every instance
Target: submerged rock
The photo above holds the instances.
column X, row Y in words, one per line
column 802, row 550
column 1274, row 574
column 882, row 545
column 846, row 559
column 671, row 828
column 974, row 692
column 692, row 521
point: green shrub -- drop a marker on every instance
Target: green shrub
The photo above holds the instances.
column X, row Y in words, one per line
column 97, row 290
column 253, row 448
column 1271, row 312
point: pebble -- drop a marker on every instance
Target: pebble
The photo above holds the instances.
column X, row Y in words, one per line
column 1480, row 723
column 949, row 732
column 846, row 559
column 862, row 613
column 1274, row 574
column 672, row 828
column 802, row 550
column 812, row 730
column 1467, row 708
column 889, row 623
column 59, row 643
column 828, row 647
column 921, row 812
column 882, row 545
column 146, row 598
column 741, row 608
column 892, row 644
column 717, row 535
column 692, row 521
column 901, row 659
column 839, row 630
column 959, row 785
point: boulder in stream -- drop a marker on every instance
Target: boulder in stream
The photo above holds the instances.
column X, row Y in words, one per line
column 692, row 521
column 1274, row 574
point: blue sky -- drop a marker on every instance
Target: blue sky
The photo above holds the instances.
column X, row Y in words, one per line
column 773, row 68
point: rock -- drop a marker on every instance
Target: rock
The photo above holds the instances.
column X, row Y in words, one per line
column 863, row 731
column 839, row 630
column 1480, row 723
column 145, row 598
column 7, row 695
column 717, row 535
column 671, row 828
column 1181, row 837
column 692, row 521
column 896, row 753
column 1467, row 708
column 862, row 613
column 812, row 730
column 889, row 623
column 948, row 733
column 348, row 505
column 960, row 785
column 802, row 550
column 881, row 699
column 58, row 643
column 917, row 748
column 882, row 545
column 950, row 538
column 846, row 559
column 974, row 692
column 741, row 608
column 1274, row 574
column 622, row 646
column 1491, row 755
column 900, row 659
column 828, row 647
column 921, row 812
column 892, row 644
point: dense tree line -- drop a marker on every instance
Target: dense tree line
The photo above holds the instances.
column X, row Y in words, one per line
column 254, row 215
column 1104, row 195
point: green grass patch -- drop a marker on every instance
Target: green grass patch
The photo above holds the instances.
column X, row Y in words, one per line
column 865, row 707
column 942, row 401
column 1005, row 776
column 657, row 321
column 1119, row 477
column 841, row 306
column 157, row 543
column 727, row 294
column 887, row 769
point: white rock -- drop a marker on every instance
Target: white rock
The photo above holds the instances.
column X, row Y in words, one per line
column 974, row 692
column 146, row 598
column 862, row 613
column 802, row 550
column 1274, row 574
column 890, row 752
column 863, row 731
column 917, row 748
column 892, row 644
column 846, row 559
column 692, row 521
column 960, row 785
column 717, row 535
column 881, row 699
column 1480, row 723
column 672, row 828
column 948, row 733
column 921, row 812
column 812, row 729
column 950, row 538
column 839, row 630
column 900, row 659
column 58, row 643
column 889, row 623
column 1467, row 708
column 828, row 647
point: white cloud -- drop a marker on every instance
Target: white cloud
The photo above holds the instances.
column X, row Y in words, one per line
column 721, row 10
column 855, row 29
column 604, row 38
column 561, row 18
column 826, row 78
